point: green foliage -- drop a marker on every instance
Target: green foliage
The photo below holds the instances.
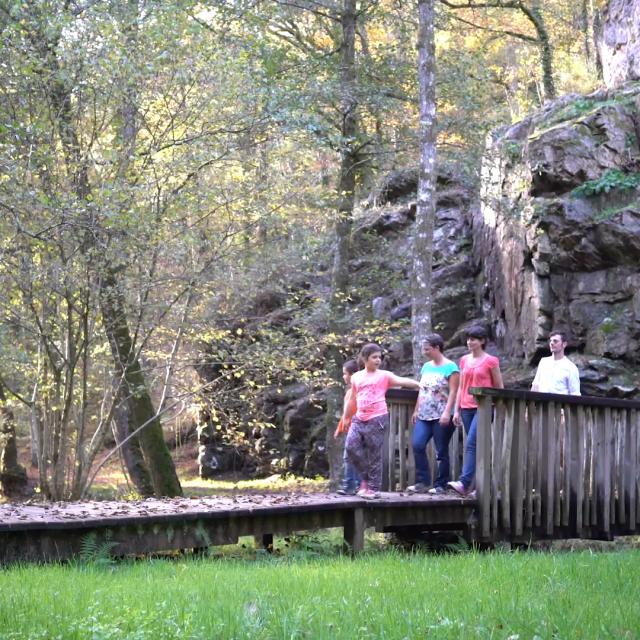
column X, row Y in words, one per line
column 97, row 554
column 513, row 150
column 608, row 326
column 610, row 180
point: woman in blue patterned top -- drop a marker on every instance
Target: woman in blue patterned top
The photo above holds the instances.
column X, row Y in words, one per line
column 439, row 380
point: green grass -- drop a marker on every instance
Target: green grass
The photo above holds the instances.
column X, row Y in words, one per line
column 272, row 484
column 382, row 595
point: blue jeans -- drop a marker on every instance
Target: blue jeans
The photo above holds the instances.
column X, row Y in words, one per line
column 423, row 431
column 470, row 422
column 351, row 479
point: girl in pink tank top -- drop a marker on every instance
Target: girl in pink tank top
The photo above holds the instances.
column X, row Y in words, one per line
column 370, row 416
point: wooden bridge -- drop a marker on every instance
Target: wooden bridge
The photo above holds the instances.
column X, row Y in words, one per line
column 548, row 466
column 45, row 532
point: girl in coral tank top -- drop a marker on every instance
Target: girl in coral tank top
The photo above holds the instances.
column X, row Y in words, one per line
column 477, row 369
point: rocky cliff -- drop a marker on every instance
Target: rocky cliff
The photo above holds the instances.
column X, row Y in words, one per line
column 557, row 235
column 619, row 42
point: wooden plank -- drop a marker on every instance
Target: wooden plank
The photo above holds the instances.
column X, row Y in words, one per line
column 404, row 440
column 507, row 461
column 354, row 526
column 532, row 421
column 538, row 459
column 632, row 470
column 606, row 469
column 497, row 432
column 575, row 427
column 517, row 467
column 592, row 443
column 558, row 436
column 387, row 456
column 388, row 461
column 636, row 470
column 547, row 465
column 567, row 459
column 598, row 473
column 264, row 541
column 483, row 466
column 620, row 425
column 536, row 396
column 411, row 462
column 588, row 467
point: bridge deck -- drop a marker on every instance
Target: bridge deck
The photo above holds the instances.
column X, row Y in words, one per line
column 44, row 532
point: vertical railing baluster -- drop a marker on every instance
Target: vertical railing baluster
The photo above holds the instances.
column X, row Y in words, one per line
column 483, row 465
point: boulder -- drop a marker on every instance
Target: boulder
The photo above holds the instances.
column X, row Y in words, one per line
column 381, row 307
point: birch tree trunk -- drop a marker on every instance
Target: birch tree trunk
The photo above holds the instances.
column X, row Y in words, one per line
column 421, row 300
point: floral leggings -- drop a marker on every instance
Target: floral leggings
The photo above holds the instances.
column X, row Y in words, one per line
column 364, row 448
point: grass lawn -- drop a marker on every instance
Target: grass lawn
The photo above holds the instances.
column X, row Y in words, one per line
column 382, row 594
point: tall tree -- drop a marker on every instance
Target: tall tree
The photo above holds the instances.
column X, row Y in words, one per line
column 426, row 203
column 533, row 12
column 346, row 184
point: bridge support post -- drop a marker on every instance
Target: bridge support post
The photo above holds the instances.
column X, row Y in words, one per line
column 264, row 541
column 354, row 527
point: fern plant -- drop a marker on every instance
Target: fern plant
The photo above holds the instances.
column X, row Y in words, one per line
column 97, row 553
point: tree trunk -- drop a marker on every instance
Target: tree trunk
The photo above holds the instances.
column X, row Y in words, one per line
column 139, row 404
column 534, row 13
column 13, row 477
column 587, row 30
column 348, row 164
column 131, row 450
column 344, row 222
column 426, row 205
column 597, row 27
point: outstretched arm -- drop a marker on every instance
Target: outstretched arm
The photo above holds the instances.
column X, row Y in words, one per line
column 399, row 381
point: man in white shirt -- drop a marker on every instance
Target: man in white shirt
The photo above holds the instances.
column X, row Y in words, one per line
column 556, row 373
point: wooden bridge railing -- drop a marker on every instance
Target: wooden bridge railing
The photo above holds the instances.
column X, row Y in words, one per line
column 547, row 465
column 399, row 465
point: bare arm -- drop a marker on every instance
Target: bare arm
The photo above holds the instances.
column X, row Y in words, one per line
column 456, row 405
column 350, row 407
column 496, row 378
column 454, row 383
column 408, row 383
